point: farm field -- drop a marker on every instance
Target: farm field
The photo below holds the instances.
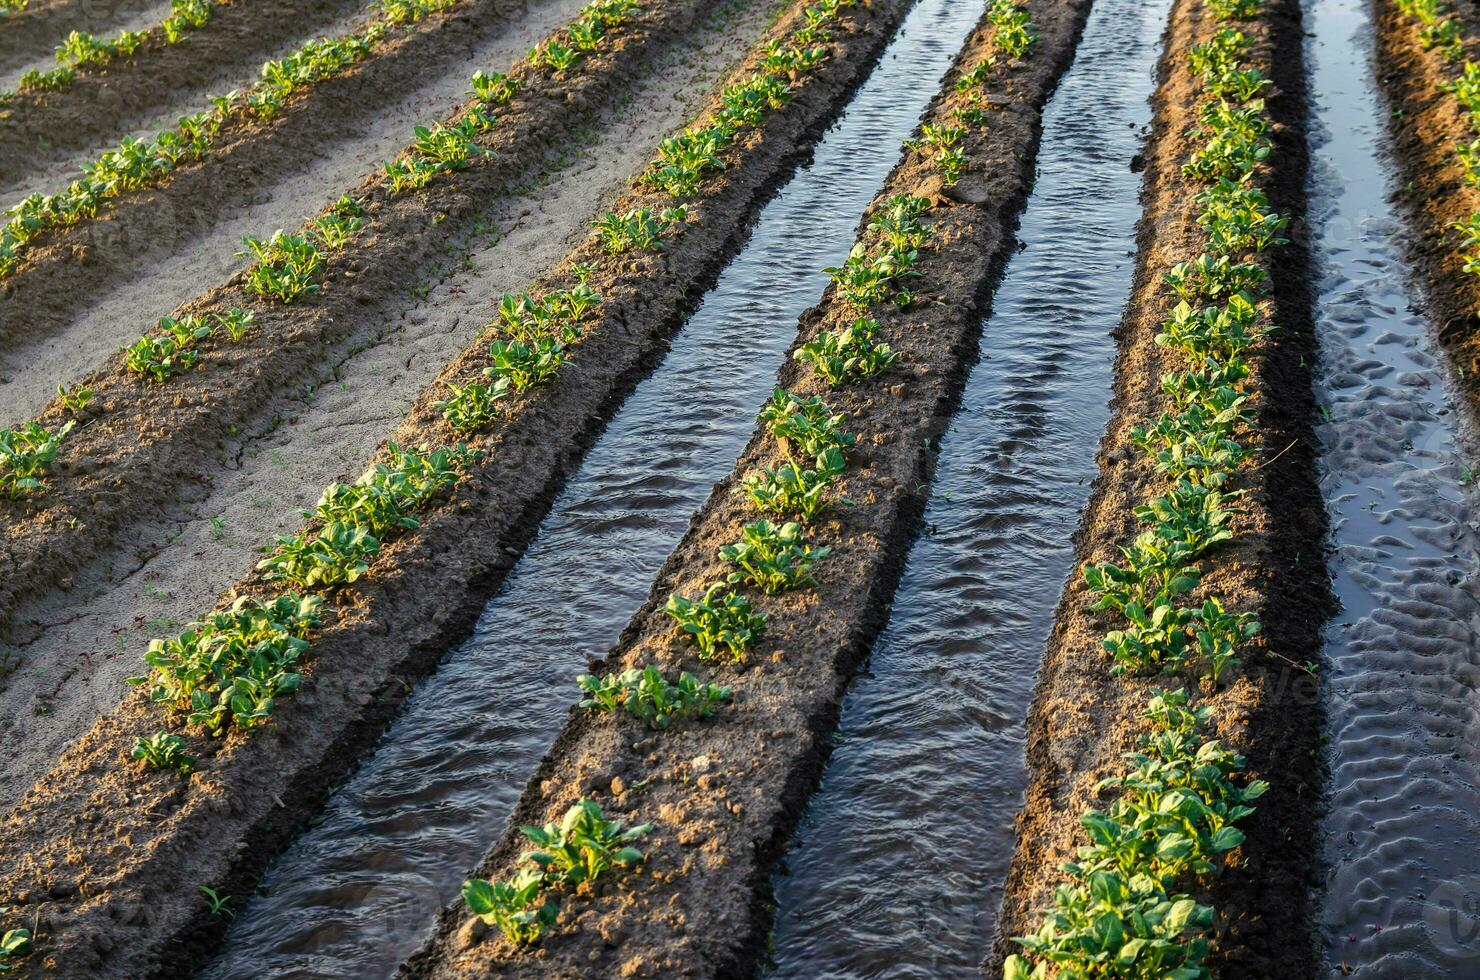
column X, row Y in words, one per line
column 654, row 488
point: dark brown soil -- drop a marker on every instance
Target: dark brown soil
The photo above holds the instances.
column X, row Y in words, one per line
column 67, row 269
column 104, row 101
column 144, row 443
column 1083, row 718
column 107, row 856
column 31, row 34
column 725, row 794
column 1426, row 124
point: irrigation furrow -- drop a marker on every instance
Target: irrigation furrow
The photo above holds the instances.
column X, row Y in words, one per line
column 724, row 793
column 32, row 33
column 142, row 443
column 86, row 640
column 106, row 101
column 421, row 822
column 937, row 719
column 77, row 287
column 1267, row 708
column 1398, row 476
column 422, row 593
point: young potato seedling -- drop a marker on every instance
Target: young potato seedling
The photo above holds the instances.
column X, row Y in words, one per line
column 583, row 846
column 163, row 751
column 26, row 451
column 647, row 695
column 719, row 620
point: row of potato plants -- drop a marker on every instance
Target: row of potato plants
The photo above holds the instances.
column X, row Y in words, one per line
column 1442, row 33
column 533, row 336
column 773, row 554
column 286, row 267
column 1126, row 911
column 141, row 163
column 83, row 49
column 226, row 671
column 534, row 340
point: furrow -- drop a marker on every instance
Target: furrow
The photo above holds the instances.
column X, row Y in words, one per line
column 724, row 793
column 62, row 864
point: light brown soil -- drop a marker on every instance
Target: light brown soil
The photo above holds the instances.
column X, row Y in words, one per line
column 86, row 290
column 106, row 100
column 60, row 859
column 726, row 793
column 1083, row 717
column 172, row 570
column 144, row 447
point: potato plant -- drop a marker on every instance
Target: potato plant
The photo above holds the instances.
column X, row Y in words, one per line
column 160, row 358
column 720, row 621
column 773, row 558
column 648, row 696
column 352, row 519
column 1175, row 817
column 1014, row 35
column 805, row 427
column 163, row 751
column 638, row 230
column 1173, row 823
column 227, row 669
column 584, row 846
column 26, row 451
column 14, row 943
column 516, row 907
column 848, row 355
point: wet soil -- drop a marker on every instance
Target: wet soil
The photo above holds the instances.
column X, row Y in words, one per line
column 425, row 805
column 62, row 864
column 165, row 572
column 1083, row 717
column 725, row 794
column 1426, row 124
column 1398, row 464
column 936, row 722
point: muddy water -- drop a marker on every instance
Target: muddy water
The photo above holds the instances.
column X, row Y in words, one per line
column 358, row 892
column 1403, row 878
column 897, row 867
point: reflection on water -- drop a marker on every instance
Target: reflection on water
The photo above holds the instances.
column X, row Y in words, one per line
column 897, row 868
column 358, row 893
column 1404, row 797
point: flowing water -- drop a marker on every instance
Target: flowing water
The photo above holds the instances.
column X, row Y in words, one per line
column 357, row 893
column 897, row 868
column 1402, row 895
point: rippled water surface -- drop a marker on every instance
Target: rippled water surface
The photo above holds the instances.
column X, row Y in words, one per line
column 357, row 893
column 1403, row 878
column 897, row 868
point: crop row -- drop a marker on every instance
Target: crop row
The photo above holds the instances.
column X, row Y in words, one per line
column 758, row 617
column 81, row 49
column 1439, row 31
column 142, row 163
column 228, row 670
column 408, row 601
column 1129, row 909
column 280, row 305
